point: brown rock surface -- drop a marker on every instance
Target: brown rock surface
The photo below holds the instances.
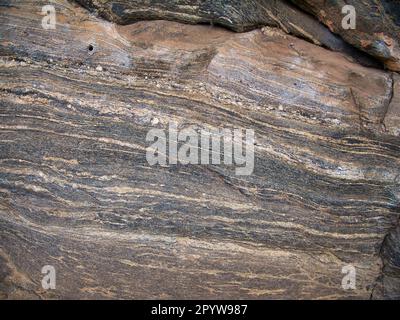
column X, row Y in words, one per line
column 236, row 15
column 377, row 29
column 76, row 191
column 392, row 118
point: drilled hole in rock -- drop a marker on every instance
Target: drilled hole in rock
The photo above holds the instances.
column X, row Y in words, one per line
column 90, row 48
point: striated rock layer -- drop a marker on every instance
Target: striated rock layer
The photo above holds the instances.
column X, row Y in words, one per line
column 377, row 29
column 77, row 193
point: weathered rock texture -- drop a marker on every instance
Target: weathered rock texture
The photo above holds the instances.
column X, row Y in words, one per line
column 76, row 191
column 377, row 29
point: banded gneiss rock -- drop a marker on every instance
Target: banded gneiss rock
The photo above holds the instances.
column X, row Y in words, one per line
column 377, row 29
column 76, row 191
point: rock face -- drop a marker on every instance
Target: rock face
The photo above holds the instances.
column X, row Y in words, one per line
column 392, row 118
column 377, row 23
column 236, row 15
column 77, row 193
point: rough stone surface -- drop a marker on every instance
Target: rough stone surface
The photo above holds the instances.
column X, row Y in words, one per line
column 377, row 25
column 76, row 191
column 236, row 15
column 392, row 118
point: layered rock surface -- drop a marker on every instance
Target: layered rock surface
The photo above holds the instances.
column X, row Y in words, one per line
column 76, row 191
column 377, row 29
